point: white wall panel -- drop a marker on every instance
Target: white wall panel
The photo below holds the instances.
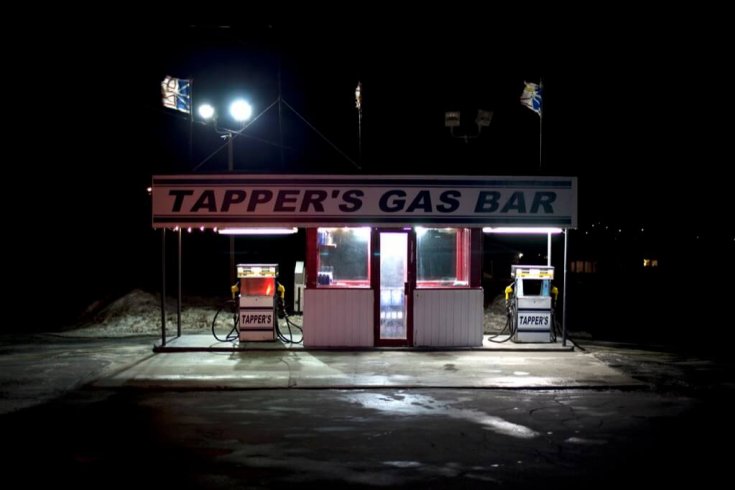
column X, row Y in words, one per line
column 338, row 318
column 448, row 317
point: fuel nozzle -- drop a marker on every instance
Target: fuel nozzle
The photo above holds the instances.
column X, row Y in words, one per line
column 508, row 292
column 554, row 293
column 234, row 290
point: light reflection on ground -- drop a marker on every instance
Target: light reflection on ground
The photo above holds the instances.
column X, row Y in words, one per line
column 423, row 405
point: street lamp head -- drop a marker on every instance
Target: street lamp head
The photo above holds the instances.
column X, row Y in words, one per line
column 206, row 111
column 241, row 110
column 451, row 119
column 483, row 118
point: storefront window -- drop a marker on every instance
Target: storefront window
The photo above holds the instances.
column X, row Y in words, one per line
column 343, row 258
column 442, row 257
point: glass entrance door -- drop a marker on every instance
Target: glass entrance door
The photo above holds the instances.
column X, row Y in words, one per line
column 394, row 295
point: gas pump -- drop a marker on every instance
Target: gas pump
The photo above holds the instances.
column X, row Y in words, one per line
column 531, row 306
column 257, row 303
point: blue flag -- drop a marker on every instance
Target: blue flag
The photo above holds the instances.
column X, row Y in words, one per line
column 176, row 94
column 532, row 95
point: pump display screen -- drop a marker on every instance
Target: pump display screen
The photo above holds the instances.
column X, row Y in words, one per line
column 257, row 286
column 532, row 287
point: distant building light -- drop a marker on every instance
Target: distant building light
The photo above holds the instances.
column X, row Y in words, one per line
column 650, row 262
column 583, row 266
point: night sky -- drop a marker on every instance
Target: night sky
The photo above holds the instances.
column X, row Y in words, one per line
column 636, row 105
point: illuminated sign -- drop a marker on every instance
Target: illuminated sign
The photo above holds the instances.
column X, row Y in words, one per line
column 332, row 200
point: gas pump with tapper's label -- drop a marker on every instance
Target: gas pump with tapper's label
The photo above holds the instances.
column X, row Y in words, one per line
column 530, row 302
column 257, row 302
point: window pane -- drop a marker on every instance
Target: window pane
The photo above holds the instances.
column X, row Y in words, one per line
column 343, row 257
column 442, row 255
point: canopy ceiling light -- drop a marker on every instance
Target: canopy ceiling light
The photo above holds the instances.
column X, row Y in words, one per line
column 523, row 230
column 257, row 231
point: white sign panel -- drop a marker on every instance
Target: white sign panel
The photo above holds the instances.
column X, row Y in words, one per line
column 256, row 319
column 329, row 200
column 534, row 320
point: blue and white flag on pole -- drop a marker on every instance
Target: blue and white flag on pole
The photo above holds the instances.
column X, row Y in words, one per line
column 176, row 94
column 531, row 96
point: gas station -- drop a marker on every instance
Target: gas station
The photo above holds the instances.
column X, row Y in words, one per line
column 390, row 261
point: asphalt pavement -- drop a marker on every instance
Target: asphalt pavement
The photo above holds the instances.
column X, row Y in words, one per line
column 110, row 412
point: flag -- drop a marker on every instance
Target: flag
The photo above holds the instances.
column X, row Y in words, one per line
column 358, row 96
column 532, row 95
column 176, row 94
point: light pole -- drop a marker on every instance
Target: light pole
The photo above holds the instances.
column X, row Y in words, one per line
column 240, row 110
column 231, row 168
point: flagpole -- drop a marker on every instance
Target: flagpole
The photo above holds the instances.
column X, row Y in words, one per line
column 540, row 124
column 280, row 115
column 359, row 135
column 540, row 136
column 358, row 104
column 191, row 121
